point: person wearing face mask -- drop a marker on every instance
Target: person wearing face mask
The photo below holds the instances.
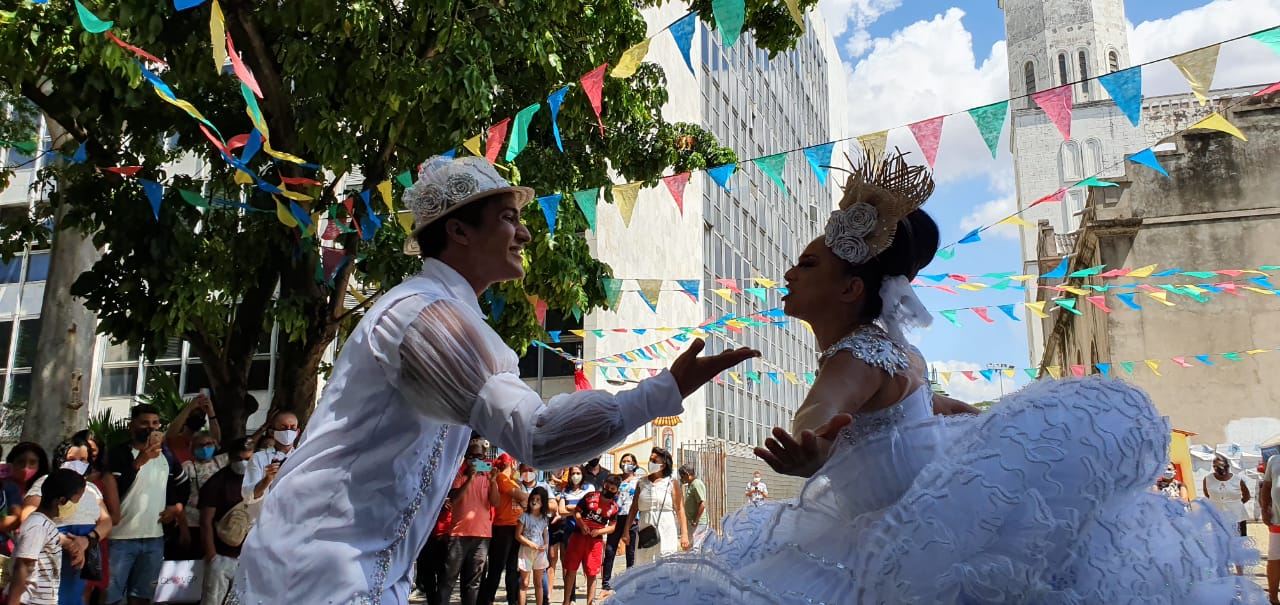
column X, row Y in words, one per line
column 659, row 503
column 593, row 473
column 100, row 476
column 204, row 463
column 1169, row 485
column 757, row 491
column 504, row 550
column 474, row 492
column 1228, row 493
column 38, row 557
column 596, row 516
column 85, row 528
column 266, row 463
column 153, row 487
column 218, row 495
column 191, row 420
column 626, row 493
column 27, row 462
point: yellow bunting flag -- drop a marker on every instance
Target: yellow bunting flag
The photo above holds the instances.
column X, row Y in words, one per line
column 1054, row 371
column 406, row 221
column 765, row 283
column 579, row 333
column 945, row 376
column 793, row 7
column 1257, row 351
column 286, row 217
column 1258, row 290
column 1075, row 290
column 874, row 143
column 1216, row 122
column 295, row 196
column 630, row 61
column 1197, row 67
column 243, row 178
column 1024, row 277
column 724, row 293
column 280, row 155
column 1009, row 372
column 650, row 289
column 625, row 196
column 218, row 36
column 473, row 145
column 384, row 189
column 1014, row 220
column 1154, row 365
column 1163, row 297
column 974, row 287
column 734, row 376
column 1142, row 271
column 791, row 377
column 1037, row 308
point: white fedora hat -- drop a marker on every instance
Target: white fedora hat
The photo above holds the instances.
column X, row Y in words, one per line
column 446, row 184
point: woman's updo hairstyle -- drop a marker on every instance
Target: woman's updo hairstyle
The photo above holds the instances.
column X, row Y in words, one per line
column 913, row 248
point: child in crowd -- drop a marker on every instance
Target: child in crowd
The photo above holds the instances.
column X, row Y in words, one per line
column 533, row 537
column 37, row 558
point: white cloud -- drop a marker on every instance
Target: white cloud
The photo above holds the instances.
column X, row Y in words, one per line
column 964, row 389
column 1240, row 63
column 988, row 213
column 854, row 17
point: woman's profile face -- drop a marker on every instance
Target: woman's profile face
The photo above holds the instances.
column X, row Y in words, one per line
column 815, row 282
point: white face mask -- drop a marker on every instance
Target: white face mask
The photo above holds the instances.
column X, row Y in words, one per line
column 755, row 479
column 529, row 476
column 575, row 478
column 239, row 467
column 655, row 467
column 77, row 466
column 285, row 437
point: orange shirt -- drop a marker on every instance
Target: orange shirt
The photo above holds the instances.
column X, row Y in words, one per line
column 471, row 509
column 508, row 512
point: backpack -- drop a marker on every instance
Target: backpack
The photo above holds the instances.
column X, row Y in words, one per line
column 234, row 526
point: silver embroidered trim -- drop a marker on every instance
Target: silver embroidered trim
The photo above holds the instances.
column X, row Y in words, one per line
column 873, row 422
column 872, row 345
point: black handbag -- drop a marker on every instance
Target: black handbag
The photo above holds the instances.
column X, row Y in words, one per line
column 92, row 570
column 648, row 536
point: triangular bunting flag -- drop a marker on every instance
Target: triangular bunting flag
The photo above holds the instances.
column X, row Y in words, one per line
column 874, row 143
column 772, row 166
column 332, row 259
column 721, row 174
column 650, row 289
column 1037, row 308
column 630, row 60
column 793, row 7
column 553, row 103
column 1147, row 158
column 284, row 215
column 1068, row 304
column 988, row 374
column 1270, row 37
column 1127, row 366
column 1055, row 372
column 550, row 209
column 520, row 135
column 90, row 21
column 1077, row 371
column 1093, row 181
column 473, row 145
column 682, row 34
column 1032, row 373
column 928, row 135
column 950, row 315
column 193, row 198
column 493, row 143
column 1103, row 368
column 724, row 293
column 690, row 287
column 1197, row 67
column 1099, row 302
column 819, row 157
column 586, row 201
column 676, row 184
column 593, row 85
column 155, row 194
column 971, row 237
column 625, row 196
column 730, row 15
column 1204, row 359
column 217, row 33
column 612, row 292
column 384, row 190
column 982, row 312
column 990, row 122
column 1181, row 361
column 1216, row 122
column 1059, row 272
column 1154, row 365
column 1008, row 310
column 1142, row 271
column 1125, row 88
column 1056, row 196
column 1056, row 103
column 405, row 179
column 539, row 309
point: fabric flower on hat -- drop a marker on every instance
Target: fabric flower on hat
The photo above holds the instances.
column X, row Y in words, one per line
column 847, row 229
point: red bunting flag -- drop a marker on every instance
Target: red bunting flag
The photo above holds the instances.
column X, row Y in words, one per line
column 497, row 134
column 125, row 171
column 593, row 85
column 298, row 180
column 331, row 258
column 332, row 231
column 135, row 50
column 1099, row 302
column 731, row 284
column 1077, row 371
column 580, row 382
column 1266, row 91
column 970, row 376
column 676, row 184
column 928, row 134
column 237, row 142
column 241, row 70
column 982, row 312
column 1056, row 196
column 1056, row 103
column 539, row 309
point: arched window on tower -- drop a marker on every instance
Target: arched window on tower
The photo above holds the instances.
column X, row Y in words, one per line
column 1084, row 75
column 1029, row 81
column 1113, row 61
column 1063, row 75
column 1093, row 156
column 1069, row 165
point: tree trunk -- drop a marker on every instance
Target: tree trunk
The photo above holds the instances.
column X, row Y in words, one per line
column 63, row 367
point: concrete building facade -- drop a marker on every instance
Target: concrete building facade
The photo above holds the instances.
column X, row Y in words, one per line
column 1217, row 210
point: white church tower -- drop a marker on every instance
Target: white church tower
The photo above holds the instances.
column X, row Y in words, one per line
column 1052, row 43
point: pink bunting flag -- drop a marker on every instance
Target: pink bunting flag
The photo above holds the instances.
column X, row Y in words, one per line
column 241, row 70
column 982, row 312
column 928, row 134
column 1056, row 103
column 946, row 289
column 135, row 50
column 1099, row 302
column 1056, row 196
column 1230, row 272
column 970, row 376
column 1182, row 361
column 593, row 85
column 676, row 184
column 1229, row 288
column 539, row 309
column 493, row 143
column 1077, row 371
column 1114, row 273
column 731, row 284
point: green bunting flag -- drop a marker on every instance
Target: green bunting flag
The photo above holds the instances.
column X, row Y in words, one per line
column 990, row 122
column 730, row 15
column 586, row 200
column 520, row 133
column 612, row 292
column 772, row 167
column 90, row 21
column 193, row 198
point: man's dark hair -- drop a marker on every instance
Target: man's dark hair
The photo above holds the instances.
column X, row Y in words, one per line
column 433, row 238
column 687, row 470
column 61, row 483
column 614, row 480
column 142, row 409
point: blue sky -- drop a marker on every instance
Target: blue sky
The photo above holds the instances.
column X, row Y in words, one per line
column 906, row 61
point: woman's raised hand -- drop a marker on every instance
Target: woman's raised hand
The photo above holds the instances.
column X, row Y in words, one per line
column 803, row 457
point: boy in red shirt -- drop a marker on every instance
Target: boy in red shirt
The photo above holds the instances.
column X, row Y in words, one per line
column 597, row 516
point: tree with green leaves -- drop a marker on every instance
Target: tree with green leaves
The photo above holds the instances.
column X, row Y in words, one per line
column 359, row 88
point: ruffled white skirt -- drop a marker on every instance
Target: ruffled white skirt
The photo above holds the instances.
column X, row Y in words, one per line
column 1045, row 499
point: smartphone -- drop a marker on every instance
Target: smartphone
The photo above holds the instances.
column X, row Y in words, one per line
column 482, row 466
column 206, row 393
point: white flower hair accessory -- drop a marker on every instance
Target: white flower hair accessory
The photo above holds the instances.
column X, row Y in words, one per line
column 879, row 193
column 446, row 184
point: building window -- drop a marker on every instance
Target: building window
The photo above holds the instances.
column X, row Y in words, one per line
column 1093, row 156
column 1069, row 162
column 1113, row 61
column 1084, row 74
column 1063, row 76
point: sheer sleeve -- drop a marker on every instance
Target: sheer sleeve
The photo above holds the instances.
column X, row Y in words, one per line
column 450, row 366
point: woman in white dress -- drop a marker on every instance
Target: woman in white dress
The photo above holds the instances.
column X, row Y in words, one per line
column 659, row 503
column 1044, row 499
column 1228, row 493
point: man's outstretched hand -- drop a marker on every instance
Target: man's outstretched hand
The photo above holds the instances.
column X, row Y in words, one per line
column 691, row 371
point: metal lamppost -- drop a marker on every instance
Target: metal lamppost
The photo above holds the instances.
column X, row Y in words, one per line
column 1000, row 367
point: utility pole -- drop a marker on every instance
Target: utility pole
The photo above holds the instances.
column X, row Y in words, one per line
column 1000, row 368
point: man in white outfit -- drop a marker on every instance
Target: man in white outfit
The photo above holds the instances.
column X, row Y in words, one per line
column 354, row 504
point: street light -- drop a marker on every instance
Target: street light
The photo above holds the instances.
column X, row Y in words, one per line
column 1000, row 367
